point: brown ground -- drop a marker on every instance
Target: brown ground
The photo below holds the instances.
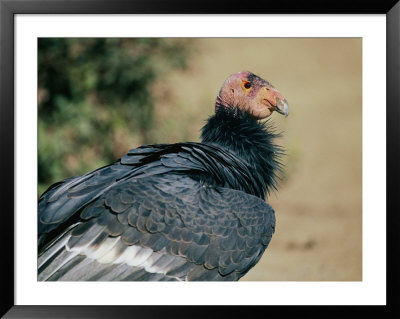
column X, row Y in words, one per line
column 318, row 206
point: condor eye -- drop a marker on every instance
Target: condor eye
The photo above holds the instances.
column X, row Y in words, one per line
column 247, row 85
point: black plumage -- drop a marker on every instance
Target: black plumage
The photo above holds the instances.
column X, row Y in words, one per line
column 185, row 211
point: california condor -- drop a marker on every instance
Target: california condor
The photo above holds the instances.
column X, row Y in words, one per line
column 172, row 212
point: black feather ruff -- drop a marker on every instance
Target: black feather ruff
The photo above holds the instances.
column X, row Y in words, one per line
column 249, row 139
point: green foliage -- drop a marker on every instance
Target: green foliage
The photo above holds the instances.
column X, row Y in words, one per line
column 95, row 99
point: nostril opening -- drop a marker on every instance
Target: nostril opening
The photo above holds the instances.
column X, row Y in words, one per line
column 266, row 88
column 233, row 91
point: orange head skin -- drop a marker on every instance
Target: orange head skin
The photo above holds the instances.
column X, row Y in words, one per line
column 249, row 92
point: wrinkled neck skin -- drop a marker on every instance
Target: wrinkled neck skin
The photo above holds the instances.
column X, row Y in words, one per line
column 220, row 103
column 224, row 101
column 252, row 141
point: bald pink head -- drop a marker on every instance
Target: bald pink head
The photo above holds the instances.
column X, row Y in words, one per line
column 249, row 92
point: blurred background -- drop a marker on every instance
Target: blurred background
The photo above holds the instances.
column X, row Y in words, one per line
column 98, row 98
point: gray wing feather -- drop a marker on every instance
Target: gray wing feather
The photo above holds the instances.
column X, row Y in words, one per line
column 143, row 219
column 189, row 233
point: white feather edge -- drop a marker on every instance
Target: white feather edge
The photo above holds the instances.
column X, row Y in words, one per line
column 106, row 252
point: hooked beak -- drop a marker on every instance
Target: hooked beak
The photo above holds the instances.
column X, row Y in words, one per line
column 282, row 107
column 274, row 100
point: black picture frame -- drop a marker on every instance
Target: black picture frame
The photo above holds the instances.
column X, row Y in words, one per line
column 8, row 10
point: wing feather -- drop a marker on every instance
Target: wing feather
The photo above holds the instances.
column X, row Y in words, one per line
column 142, row 219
